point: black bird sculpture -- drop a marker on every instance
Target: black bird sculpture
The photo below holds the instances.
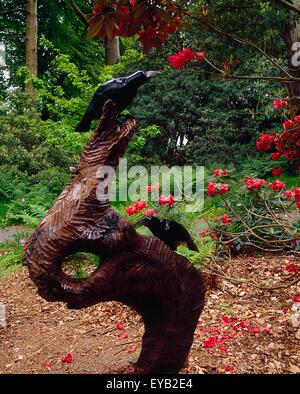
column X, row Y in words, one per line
column 170, row 232
column 121, row 91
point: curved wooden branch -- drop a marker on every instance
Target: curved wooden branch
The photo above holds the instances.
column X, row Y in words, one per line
column 141, row 272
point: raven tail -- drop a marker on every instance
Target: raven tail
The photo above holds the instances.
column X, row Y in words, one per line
column 191, row 245
column 84, row 125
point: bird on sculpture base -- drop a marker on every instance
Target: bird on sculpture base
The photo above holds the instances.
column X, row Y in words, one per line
column 121, row 91
column 169, row 231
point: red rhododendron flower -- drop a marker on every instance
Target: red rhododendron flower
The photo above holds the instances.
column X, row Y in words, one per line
column 276, row 156
column 131, row 210
column 242, row 324
column 228, row 368
column 200, row 56
column 210, row 342
column 255, row 330
column 214, row 237
column 288, row 124
column 163, row 200
column 179, row 60
column 68, row 358
column 277, row 185
column 279, row 103
column 254, row 184
column 97, row 9
column 224, row 188
column 297, row 298
column 140, row 205
column 296, row 192
column 288, row 194
column 203, row 233
column 227, row 320
column 298, row 204
column 120, row 326
column 277, row 172
column 150, row 212
column 220, row 172
column 265, row 142
column 211, row 189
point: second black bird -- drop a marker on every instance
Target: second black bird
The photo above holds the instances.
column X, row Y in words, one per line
column 170, row 232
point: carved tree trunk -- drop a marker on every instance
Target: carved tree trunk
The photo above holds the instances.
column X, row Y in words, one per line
column 139, row 271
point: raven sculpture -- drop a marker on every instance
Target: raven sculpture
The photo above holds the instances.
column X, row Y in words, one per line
column 121, row 91
column 142, row 272
column 170, row 232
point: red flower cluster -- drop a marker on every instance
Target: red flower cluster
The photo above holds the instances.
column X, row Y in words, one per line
column 225, row 219
column 163, row 200
column 286, row 144
column 277, row 185
column 293, row 194
column 277, row 171
column 136, row 208
column 254, row 184
column 179, row 60
column 217, row 188
column 280, row 103
column 265, row 142
column 220, row 172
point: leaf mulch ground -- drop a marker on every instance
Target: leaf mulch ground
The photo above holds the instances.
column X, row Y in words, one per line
column 242, row 329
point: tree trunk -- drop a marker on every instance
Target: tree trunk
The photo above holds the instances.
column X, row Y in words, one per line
column 292, row 36
column 112, row 51
column 31, row 36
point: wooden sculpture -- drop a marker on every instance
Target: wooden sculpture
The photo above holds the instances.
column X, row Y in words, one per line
column 142, row 272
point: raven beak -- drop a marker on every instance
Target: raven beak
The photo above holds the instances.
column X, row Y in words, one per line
column 151, row 74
